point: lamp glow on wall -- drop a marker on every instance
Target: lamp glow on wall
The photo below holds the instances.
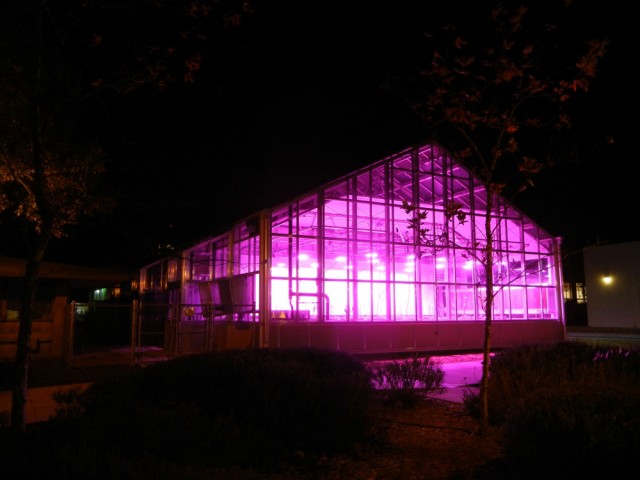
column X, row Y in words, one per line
column 607, row 279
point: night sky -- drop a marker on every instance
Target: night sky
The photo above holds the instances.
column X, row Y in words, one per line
column 299, row 103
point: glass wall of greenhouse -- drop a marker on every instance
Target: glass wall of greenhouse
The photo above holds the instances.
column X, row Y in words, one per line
column 350, row 252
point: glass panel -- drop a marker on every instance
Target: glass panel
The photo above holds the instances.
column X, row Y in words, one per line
column 405, row 301
column 374, row 266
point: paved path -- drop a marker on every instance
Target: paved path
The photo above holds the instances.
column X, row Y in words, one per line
column 460, row 378
column 40, row 403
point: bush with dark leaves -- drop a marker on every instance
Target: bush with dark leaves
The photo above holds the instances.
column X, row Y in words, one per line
column 402, row 381
column 245, row 406
column 575, row 431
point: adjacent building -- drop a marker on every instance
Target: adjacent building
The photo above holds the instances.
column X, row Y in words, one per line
column 60, row 286
column 612, row 278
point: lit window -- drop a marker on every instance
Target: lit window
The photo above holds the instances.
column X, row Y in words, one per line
column 581, row 293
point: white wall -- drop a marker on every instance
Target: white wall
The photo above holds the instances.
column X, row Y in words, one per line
column 616, row 304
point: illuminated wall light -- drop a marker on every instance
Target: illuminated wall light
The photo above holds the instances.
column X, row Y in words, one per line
column 409, row 264
column 607, row 279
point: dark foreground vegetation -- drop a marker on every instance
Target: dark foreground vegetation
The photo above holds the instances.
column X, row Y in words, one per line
column 561, row 411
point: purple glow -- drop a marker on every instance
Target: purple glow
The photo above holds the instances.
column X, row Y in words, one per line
column 345, row 253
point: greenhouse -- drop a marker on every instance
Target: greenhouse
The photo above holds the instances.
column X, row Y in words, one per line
column 372, row 262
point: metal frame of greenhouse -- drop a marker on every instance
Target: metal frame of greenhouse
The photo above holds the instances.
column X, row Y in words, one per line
column 341, row 267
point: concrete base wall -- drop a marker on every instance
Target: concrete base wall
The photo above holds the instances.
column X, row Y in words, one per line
column 398, row 337
column 49, row 339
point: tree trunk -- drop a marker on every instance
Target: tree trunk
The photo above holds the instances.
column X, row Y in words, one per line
column 484, row 384
column 21, row 365
column 488, row 305
column 36, row 243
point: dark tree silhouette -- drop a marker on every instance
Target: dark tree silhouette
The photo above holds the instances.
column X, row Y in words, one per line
column 59, row 61
column 497, row 99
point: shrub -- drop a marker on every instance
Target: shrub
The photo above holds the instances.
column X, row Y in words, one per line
column 248, row 407
column 517, row 372
column 569, row 409
column 575, row 431
column 403, row 380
